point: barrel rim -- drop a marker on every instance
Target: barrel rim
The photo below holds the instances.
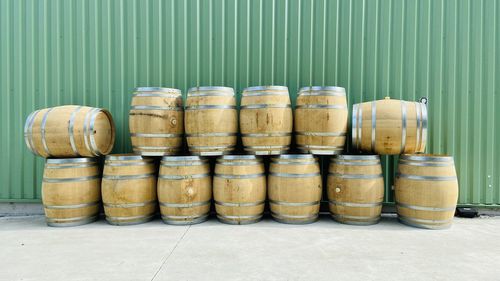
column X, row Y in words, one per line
column 124, row 156
column 238, row 157
column 170, row 158
column 357, row 157
column 211, row 88
column 262, row 88
column 294, row 156
column 70, row 160
column 158, row 89
column 427, row 157
column 322, row 88
column 111, row 143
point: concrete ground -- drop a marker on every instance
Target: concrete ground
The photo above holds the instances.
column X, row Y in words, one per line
column 268, row 250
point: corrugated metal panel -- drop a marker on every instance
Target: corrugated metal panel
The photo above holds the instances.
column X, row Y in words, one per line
column 95, row 52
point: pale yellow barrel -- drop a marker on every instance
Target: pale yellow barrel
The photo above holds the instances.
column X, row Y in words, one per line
column 426, row 190
column 321, row 120
column 239, row 189
column 70, row 131
column 294, row 188
column 184, row 189
column 356, row 189
column 389, row 127
column 129, row 189
column 211, row 120
column 266, row 120
column 71, row 191
column 156, row 121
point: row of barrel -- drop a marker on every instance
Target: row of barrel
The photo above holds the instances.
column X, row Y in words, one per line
column 132, row 187
column 209, row 120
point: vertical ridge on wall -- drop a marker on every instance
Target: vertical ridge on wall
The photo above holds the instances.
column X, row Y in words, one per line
column 96, row 52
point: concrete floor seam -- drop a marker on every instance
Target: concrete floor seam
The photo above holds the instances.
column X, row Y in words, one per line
column 171, row 252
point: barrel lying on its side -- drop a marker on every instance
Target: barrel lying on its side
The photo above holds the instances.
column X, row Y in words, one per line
column 156, row 121
column 294, row 188
column 266, row 120
column 389, row 126
column 184, row 189
column 70, row 131
column 211, row 120
column 239, row 189
column 129, row 189
column 426, row 190
column 71, row 191
column 356, row 189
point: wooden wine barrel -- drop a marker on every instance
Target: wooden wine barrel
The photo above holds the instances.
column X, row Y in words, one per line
column 389, row 126
column 129, row 189
column 356, row 189
column 426, row 190
column 211, row 120
column 294, row 188
column 321, row 120
column 70, row 131
column 71, row 191
column 184, row 189
column 239, row 189
column 156, row 121
column 266, row 120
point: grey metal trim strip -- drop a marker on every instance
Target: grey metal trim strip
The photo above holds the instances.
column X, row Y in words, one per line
column 217, row 89
column 425, row 221
column 130, row 157
column 321, row 106
column 270, row 147
column 72, row 166
column 42, row 131
column 403, row 126
column 290, row 175
column 88, row 178
column 426, row 158
column 424, row 127
column 294, row 204
column 326, row 147
column 418, row 112
column 357, row 157
column 424, row 208
column 157, row 89
column 260, row 135
column 265, row 88
column 128, row 177
column 71, row 160
column 346, row 163
column 260, row 106
column 331, row 91
column 356, row 176
column 359, row 127
column 249, row 176
column 85, row 129
column 426, row 164
column 184, row 163
column 247, row 219
column 337, row 216
column 239, row 157
column 75, row 206
column 239, row 163
column 206, row 106
column 154, row 135
column 357, row 205
column 129, row 205
column 182, row 158
column 183, row 177
column 152, row 107
column 184, row 220
column 354, row 126
column 169, row 95
column 244, row 204
column 90, row 133
column 284, row 162
column 185, row 205
column 321, row 134
column 28, row 131
column 129, row 220
column 294, row 216
column 374, row 124
column 426, row 178
column 59, row 222
column 197, row 135
column 71, row 128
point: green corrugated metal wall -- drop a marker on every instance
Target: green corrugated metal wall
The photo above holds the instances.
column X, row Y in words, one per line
column 95, row 52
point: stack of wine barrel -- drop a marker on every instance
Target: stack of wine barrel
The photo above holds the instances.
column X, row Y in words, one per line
column 133, row 186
